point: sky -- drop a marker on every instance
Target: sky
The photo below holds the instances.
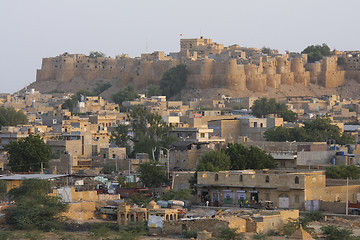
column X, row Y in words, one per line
column 36, row 29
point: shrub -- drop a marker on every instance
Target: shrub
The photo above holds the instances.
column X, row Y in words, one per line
column 189, row 234
column 335, row 233
column 229, row 234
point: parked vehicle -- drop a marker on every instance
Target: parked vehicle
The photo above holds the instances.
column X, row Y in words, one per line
column 354, row 208
column 110, row 212
column 128, row 192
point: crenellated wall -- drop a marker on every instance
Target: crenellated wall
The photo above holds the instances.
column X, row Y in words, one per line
column 233, row 67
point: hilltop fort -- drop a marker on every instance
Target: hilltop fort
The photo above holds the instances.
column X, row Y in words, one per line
column 210, row 65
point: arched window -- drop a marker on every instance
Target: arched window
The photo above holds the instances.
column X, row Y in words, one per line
column 296, row 180
column 241, row 178
column 216, row 177
column 267, row 179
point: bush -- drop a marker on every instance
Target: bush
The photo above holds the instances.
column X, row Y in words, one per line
column 312, row 216
column 108, row 169
column 229, row 234
column 291, row 226
column 189, row 234
column 260, row 236
column 33, row 208
column 335, row 233
column 273, row 232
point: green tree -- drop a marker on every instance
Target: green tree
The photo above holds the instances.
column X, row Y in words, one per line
column 248, row 158
column 153, row 90
column 126, row 94
column 73, row 101
column 150, row 131
column 151, row 174
column 317, row 130
column 182, row 194
column 214, row 161
column 266, row 50
column 28, row 154
column 96, row 54
column 11, row 117
column 120, row 136
column 264, row 106
column 34, row 208
column 343, row 172
column 316, row 52
column 101, row 88
column 173, row 80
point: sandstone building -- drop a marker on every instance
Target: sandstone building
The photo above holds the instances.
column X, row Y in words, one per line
column 209, row 65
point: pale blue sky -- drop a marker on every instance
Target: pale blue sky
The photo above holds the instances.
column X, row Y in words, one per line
column 31, row 30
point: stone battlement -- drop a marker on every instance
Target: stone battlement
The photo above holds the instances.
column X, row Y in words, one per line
column 209, row 65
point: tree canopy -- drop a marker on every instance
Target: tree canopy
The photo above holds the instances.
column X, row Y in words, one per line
column 34, row 208
column 120, row 136
column 151, row 174
column 316, row 52
column 343, row 172
column 173, row 80
column 264, row 106
column 11, row 117
column 214, row 161
column 96, row 54
column 28, row 154
column 149, row 130
column 317, row 130
column 242, row 157
column 126, row 94
column 73, row 101
column 265, row 50
column 235, row 157
column 154, row 90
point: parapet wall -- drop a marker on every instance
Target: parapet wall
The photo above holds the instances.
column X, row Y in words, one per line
column 203, row 73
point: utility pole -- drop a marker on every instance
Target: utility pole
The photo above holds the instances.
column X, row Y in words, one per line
column 42, row 168
column 168, row 160
column 347, row 196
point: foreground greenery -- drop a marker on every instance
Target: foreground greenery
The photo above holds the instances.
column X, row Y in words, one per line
column 84, row 231
column 34, row 208
column 28, row 154
column 317, row 130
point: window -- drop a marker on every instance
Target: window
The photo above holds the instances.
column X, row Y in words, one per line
column 240, row 178
column 296, row 180
column 267, row 179
column 216, row 177
column 94, row 150
column 104, row 155
column 114, row 156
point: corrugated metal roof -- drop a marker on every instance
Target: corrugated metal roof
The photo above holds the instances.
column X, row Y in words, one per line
column 30, row 176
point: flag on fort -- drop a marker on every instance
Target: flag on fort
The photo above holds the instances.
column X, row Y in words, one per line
column 180, row 34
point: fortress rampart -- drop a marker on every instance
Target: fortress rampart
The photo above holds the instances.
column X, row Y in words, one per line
column 210, row 65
